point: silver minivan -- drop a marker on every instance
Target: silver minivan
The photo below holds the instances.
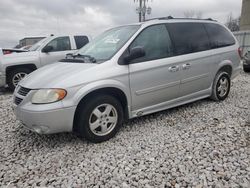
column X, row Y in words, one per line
column 127, row 72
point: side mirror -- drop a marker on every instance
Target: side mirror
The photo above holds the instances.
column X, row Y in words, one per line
column 47, row 49
column 135, row 53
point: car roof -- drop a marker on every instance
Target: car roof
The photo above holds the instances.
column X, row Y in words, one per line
column 170, row 19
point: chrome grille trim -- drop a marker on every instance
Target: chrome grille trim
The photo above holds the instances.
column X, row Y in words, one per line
column 17, row 100
column 23, row 91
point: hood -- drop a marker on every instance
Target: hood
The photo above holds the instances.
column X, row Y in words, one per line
column 59, row 75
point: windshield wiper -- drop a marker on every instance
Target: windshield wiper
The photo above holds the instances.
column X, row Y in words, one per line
column 92, row 59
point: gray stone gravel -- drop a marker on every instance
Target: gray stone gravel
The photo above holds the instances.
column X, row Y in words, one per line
column 203, row 144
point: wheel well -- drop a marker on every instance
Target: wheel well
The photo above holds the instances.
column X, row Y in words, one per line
column 27, row 66
column 227, row 68
column 117, row 93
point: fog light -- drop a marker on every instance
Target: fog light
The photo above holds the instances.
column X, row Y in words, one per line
column 40, row 129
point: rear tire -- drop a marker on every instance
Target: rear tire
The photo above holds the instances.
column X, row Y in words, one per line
column 15, row 76
column 221, row 86
column 99, row 118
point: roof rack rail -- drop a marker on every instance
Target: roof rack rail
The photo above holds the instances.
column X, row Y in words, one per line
column 170, row 17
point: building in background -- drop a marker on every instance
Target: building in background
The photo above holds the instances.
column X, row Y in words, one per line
column 245, row 16
column 27, row 41
column 243, row 36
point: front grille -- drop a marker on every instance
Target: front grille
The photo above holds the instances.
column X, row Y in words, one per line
column 23, row 91
column 17, row 100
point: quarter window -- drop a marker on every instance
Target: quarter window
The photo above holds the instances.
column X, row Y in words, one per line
column 156, row 42
column 219, row 36
column 188, row 37
column 60, row 44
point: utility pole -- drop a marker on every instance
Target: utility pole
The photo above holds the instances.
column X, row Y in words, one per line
column 142, row 10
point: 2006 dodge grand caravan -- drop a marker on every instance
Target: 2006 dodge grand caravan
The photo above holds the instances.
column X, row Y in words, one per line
column 126, row 72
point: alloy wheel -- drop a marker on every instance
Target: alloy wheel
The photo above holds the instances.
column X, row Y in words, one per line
column 223, row 86
column 103, row 119
column 18, row 77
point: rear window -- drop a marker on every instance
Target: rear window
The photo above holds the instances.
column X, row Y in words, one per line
column 81, row 41
column 219, row 36
column 188, row 37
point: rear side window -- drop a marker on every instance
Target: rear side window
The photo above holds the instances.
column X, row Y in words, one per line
column 219, row 36
column 81, row 41
column 188, row 37
column 156, row 42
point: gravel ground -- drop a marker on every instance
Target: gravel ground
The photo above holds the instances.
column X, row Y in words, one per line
column 203, row 144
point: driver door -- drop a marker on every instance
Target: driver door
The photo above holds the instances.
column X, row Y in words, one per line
column 154, row 78
column 60, row 47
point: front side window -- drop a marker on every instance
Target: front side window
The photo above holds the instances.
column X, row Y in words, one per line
column 156, row 42
column 60, row 44
column 188, row 37
column 106, row 45
column 219, row 36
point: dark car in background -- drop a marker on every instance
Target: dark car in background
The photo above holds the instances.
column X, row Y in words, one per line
column 246, row 62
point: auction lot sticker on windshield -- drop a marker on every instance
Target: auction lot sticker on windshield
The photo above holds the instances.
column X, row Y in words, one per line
column 112, row 40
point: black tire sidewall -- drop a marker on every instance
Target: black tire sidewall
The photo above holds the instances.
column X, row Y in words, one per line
column 13, row 73
column 246, row 68
column 84, row 114
column 220, row 76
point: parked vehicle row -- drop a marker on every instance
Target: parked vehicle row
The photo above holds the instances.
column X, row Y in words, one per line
column 127, row 72
column 15, row 66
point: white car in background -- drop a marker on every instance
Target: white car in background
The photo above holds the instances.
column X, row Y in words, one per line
column 15, row 66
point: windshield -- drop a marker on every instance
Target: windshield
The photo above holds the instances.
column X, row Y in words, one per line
column 106, row 45
column 38, row 44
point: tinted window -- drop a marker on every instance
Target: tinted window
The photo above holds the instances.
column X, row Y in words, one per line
column 219, row 36
column 156, row 42
column 188, row 37
column 81, row 41
column 60, row 44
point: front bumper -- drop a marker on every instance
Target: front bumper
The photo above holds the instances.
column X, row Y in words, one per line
column 46, row 122
column 45, row 118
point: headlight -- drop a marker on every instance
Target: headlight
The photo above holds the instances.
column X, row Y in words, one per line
column 45, row 96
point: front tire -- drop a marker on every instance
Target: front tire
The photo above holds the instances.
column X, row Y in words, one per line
column 221, row 86
column 99, row 118
column 15, row 76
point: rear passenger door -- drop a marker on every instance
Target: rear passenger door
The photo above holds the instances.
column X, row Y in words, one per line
column 81, row 41
column 192, row 46
column 154, row 78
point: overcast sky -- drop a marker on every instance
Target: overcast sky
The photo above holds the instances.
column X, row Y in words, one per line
column 20, row 18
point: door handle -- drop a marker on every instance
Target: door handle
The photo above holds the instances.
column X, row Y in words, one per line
column 173, row 69
column 186, row 66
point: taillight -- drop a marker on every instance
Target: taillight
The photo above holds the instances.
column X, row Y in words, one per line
column 240, row 52
column 5, row 52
